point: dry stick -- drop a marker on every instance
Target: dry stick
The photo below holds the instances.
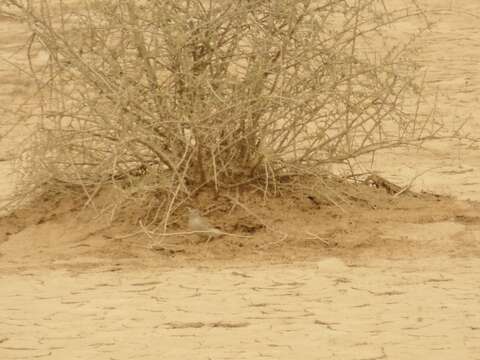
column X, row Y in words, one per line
column 275, row 187
column 316, row 237
column 341, row 134
column 349, row 83
column 273, row 243
column 329, row 198
column 169, row 209
column 197, row 232
column 89, row 195
column 100, row 185
column 142, row 52
column 126, row 236
column 170, row 205
column 408, row 186
column 236, row 202
column 145, row 230
column 266, row 181
column 214, row 163
column 157, row 213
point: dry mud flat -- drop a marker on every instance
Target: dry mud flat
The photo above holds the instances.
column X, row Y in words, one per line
column 60, row 300
column 424, row 308
column 390, row 289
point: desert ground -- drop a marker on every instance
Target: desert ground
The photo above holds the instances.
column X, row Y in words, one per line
column 394, row 281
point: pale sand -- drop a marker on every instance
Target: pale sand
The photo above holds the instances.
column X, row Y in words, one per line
column 420, row 306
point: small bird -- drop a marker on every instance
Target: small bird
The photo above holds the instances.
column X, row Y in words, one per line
column 199, row 224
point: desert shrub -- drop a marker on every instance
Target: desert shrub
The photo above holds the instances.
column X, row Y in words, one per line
column 164, row 98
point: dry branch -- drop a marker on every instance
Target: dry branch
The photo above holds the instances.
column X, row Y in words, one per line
column 161, row 99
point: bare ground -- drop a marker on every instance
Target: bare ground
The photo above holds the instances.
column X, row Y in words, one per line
column 423, row 308
column 388, row 279
column 397, row 280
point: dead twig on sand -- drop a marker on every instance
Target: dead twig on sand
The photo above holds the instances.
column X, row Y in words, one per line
column 317, row 237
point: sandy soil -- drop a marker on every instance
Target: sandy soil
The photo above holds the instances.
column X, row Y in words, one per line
column 396, row 281
column 451, row 52
column 325, row 310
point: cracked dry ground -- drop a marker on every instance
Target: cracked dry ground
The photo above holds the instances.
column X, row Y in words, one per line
column 402, row 309
column 425, row 305
column 394, row 282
